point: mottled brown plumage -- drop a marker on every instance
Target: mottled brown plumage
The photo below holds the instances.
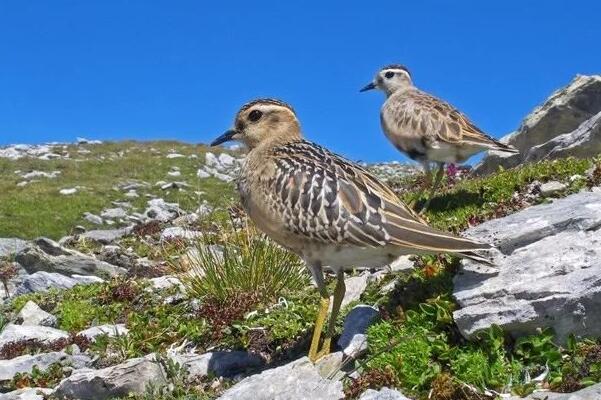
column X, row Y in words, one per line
column 426, row 128
column 328, row 210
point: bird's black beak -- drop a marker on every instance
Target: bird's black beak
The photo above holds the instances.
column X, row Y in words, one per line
column 226, row 137
column 370, row 86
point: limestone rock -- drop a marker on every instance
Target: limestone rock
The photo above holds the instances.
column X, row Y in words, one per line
column 382, row 394
column 14, row 333
column 43, row 281
column 47, row 255
column 353, row 340
column 32, row 314
column 567, row 123
column 296, row 380
column 21, row 364
column 106, row 329
column 547, row 274
column 218, row 363
column 120, row 380
column 27, row 394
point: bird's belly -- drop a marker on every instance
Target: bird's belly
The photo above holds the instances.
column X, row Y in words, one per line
column 348, row 257
column 450, row 153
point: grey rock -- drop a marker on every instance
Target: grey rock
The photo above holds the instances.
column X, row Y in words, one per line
column 43, row 281
column 68, row 191
column 93, row 218
column 568, row 123
column 32, row 314
column 176, row 232
column 353, row 340
column 551, row 188
column 21, row 364
column 11, row 246
column 165, row 282
column 14, row 333
column 106, row 329
column 299, row 379
column 162, row 211
column 218, row 363
column 130, row 377
column 355, row 286
column 114, row 213
column 27, row 394
column 174, row 155
column 107, row 236
column 331, row 366
column 590, row 393
column 547, row 274
column 382, row 394
column 46, row 255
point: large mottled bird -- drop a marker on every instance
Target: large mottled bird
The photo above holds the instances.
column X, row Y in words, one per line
column 328, row 210
column 426, row 128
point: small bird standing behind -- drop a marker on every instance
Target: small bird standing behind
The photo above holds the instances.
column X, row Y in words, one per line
column 329, row 211
column 426, row 128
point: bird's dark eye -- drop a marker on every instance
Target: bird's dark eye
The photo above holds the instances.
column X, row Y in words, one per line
column 389, row 74
column 255, row 115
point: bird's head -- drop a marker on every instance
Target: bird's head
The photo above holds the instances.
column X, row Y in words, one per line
column 390, row 79
column 261, row 121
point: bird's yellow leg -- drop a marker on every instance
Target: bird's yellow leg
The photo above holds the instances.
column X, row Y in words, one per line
column 314, row 355
column 435, row 185
column 336, row 303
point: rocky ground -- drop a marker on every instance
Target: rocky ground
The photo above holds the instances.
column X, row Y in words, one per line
column 129, row 271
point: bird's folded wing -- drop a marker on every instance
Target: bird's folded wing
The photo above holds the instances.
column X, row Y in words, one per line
column 437, row 118
column 331, row 200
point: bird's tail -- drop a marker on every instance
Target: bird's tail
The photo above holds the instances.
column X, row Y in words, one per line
column 471, row 255
column 507, row 148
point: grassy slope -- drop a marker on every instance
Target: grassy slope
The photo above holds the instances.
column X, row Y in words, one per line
column 38, row 209
column 415, row 347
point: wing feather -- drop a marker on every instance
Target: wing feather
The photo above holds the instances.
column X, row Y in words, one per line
column 332, row 200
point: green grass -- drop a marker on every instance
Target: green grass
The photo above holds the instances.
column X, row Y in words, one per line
column 486, row 197
column 420, row 345
column 38, row 209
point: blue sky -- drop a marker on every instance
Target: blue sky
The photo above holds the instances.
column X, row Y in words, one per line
column 180, row 69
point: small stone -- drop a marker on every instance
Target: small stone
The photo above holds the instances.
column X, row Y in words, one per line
column 353, row 340
column 132, row 194
column 166, row 282
column 218, row 363
column 382, row 394
column 67, row 192
column 94, row 219
column 175, row 155
column 174, row 173
column 114, row 213
column 201, row 173
column 32, row 314
column 109, row 330
column 550, row 188
column 177, row 232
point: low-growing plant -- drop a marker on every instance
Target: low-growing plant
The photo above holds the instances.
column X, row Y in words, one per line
column 249, row 263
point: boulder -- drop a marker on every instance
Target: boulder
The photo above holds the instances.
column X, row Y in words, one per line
column 299, row 379
column 567, row 123
column 218, row 363
column 547, row 273
column 130, row 377
column 47, row 255
column 32, row 314
column 15, row 333
column 43, row 281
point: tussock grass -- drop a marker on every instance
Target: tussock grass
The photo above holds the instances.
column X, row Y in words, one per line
column 249, row 263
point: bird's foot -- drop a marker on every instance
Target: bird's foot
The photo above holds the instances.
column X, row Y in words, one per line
column 325, row 350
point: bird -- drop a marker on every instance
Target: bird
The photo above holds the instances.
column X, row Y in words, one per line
column 427, row 128
column 328, row 210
